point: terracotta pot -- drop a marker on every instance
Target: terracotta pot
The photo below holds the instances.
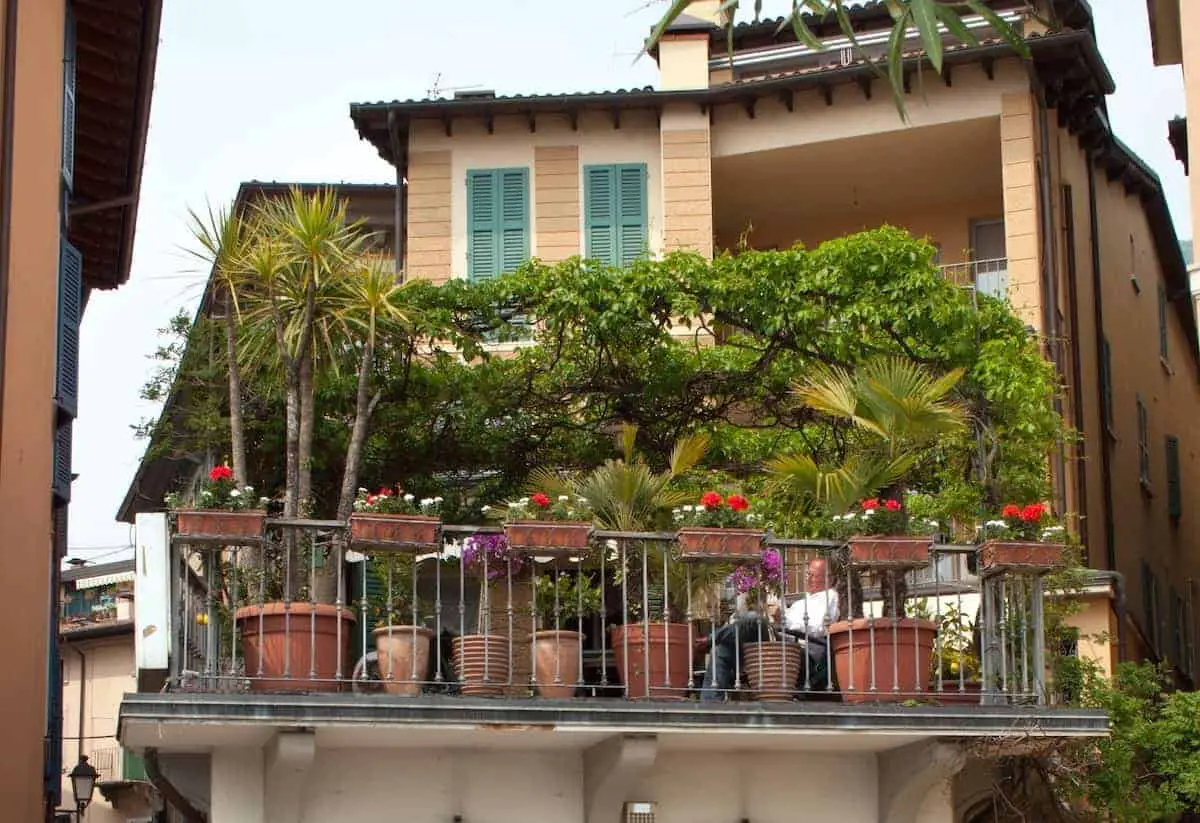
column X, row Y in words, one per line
column 888, row 664
column 890, row 552
column 217, row 526
column 557, row 666
column 668, row 675
column 549, row 536
column 772, row 669
column 403, row 653
column 395, row 532
column 699, row 542
column 1022, row 557
column 953, row 693
column 482, row 665
column 282, row 644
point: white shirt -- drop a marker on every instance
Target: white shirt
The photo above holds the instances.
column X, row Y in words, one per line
column 813, row 613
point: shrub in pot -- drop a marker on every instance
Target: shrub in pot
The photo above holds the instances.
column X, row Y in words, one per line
column 559, row 599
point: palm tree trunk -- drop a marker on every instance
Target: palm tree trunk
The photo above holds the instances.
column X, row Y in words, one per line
column 237, row 431
column 307, row 427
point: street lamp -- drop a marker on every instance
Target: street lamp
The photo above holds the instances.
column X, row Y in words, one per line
column 83, row 783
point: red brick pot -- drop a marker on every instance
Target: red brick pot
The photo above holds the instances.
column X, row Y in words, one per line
column 549, row 536
column 284, row 640
column 395, row 532
column 705, row 543
column 556, row 663
column 1022, row 557
column 220, row 526
column 403, row 653
column 890, row 552
column 772, row 669
column 482, row 664
column 895, row 658
column 666, row 646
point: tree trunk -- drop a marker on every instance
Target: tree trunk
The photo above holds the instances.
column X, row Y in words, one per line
column 237, row 433
column 308, row 418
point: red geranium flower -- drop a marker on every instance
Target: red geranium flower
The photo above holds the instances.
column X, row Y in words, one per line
column 372, row 499
column 738, row 503
column 892, row 505
column 219, row 473
column 1033, row 512
column 711, row 500
column 385, row 492
column 540, row 499
column 1011, row 510
column 870, row 504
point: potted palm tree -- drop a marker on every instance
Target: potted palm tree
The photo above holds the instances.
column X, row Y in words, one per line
column 896, row 411
column 559, row 599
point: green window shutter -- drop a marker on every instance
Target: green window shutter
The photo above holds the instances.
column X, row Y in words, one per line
column 1174, row 492
column 68, row 125
column 631, row 212
column 498, row 221
column 514, row 218
column 600, row 213
column 70, row 309
column 482, row 216
column 133, row 767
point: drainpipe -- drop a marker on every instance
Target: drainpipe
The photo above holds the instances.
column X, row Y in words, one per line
column 400, row 161
column 1110, row 543
column 82, row 698
column 7, row 99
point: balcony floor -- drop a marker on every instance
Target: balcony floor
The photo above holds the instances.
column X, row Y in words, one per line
column 201, row 722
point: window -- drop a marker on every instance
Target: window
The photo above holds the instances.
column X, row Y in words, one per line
column 1162, row 322
column 1106, row 384
column 1174, row 492
column 497, row 221
column 1143, row 433
column 1150, row 612
column 615, row 212
column 989, row 265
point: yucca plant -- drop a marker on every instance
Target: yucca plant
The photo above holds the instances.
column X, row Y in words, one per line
column 900, row 408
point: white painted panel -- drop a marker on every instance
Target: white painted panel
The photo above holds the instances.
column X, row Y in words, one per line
column 152, row 592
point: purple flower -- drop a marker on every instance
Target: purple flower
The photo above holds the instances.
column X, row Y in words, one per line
column 772, row 566
column 492, row 553
column 743, row 579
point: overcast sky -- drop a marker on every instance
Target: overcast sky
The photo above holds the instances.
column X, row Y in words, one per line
column 259, row 89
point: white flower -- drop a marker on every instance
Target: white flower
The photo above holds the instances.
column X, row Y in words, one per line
column 438, row 499
column 485, row 509
column 426, row 502
column 263, row 501
column 996, row 524
column 234, row 493
column 869, row 513
column 689, row 508
column 524, row 501
column 361, row 490
column 408, row 498
column 248, row 489
column 562, row 498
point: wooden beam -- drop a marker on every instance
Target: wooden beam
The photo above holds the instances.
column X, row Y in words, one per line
column 989, row 67
column 864, row 83
column 490, row 120
column 827, row 93
column 788, row 98
column 616, row 117
column 748, row 104
column 573, row 117
column 947, row 74
column 448, row 125
column 532, row 121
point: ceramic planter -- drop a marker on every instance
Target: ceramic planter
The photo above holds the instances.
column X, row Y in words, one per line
column 482, row 664
column 772, row 669
column 652, row 659
column 557, row 666
column 704, row 543
column 295, row 647
column 882, row 660
column 219, row 526
column 890, row 552
column 1021, row 557
column 549, row 536
column 395, row 532
column 403, row 653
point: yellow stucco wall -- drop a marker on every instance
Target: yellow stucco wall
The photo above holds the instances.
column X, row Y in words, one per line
column 557, row 199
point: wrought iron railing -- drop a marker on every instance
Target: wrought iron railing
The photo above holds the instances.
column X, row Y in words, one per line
column 303, row 609
column 985, row 276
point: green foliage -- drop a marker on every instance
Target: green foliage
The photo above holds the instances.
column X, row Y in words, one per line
column 560, row 598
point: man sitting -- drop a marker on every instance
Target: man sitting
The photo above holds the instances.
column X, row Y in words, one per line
column 807, row 619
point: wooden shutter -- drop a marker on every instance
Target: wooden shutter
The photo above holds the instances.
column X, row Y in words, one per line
column 482, row 215
column 631, row 212
column 68, row 124
column 498, row 221
column 514, row 218
column 600, row 213
column 70, row 308
column 1174, row 492
column 62, row 462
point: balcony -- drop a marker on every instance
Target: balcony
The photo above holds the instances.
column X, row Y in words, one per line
column 988, row 277
column 247, row 628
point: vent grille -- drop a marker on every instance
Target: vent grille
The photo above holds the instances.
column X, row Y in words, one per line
column 639, row 812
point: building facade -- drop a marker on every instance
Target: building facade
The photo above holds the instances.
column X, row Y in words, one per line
column 77, row 79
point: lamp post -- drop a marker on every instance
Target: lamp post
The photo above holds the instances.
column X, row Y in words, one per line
column 83, row 783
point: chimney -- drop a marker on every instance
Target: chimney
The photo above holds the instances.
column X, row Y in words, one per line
column 683, row 50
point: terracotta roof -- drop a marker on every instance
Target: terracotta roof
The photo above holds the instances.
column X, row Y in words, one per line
column 116, row 51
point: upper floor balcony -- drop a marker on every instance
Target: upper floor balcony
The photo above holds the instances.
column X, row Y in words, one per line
column 458, row 631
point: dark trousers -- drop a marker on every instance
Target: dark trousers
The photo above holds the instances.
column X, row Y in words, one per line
column 725, row 657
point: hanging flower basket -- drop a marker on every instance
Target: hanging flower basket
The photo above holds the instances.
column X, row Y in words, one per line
column 220, row 525
column 890, row 552
column 549, row 536
column 701, row 543
column 1021, row 557
column 395, row 532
